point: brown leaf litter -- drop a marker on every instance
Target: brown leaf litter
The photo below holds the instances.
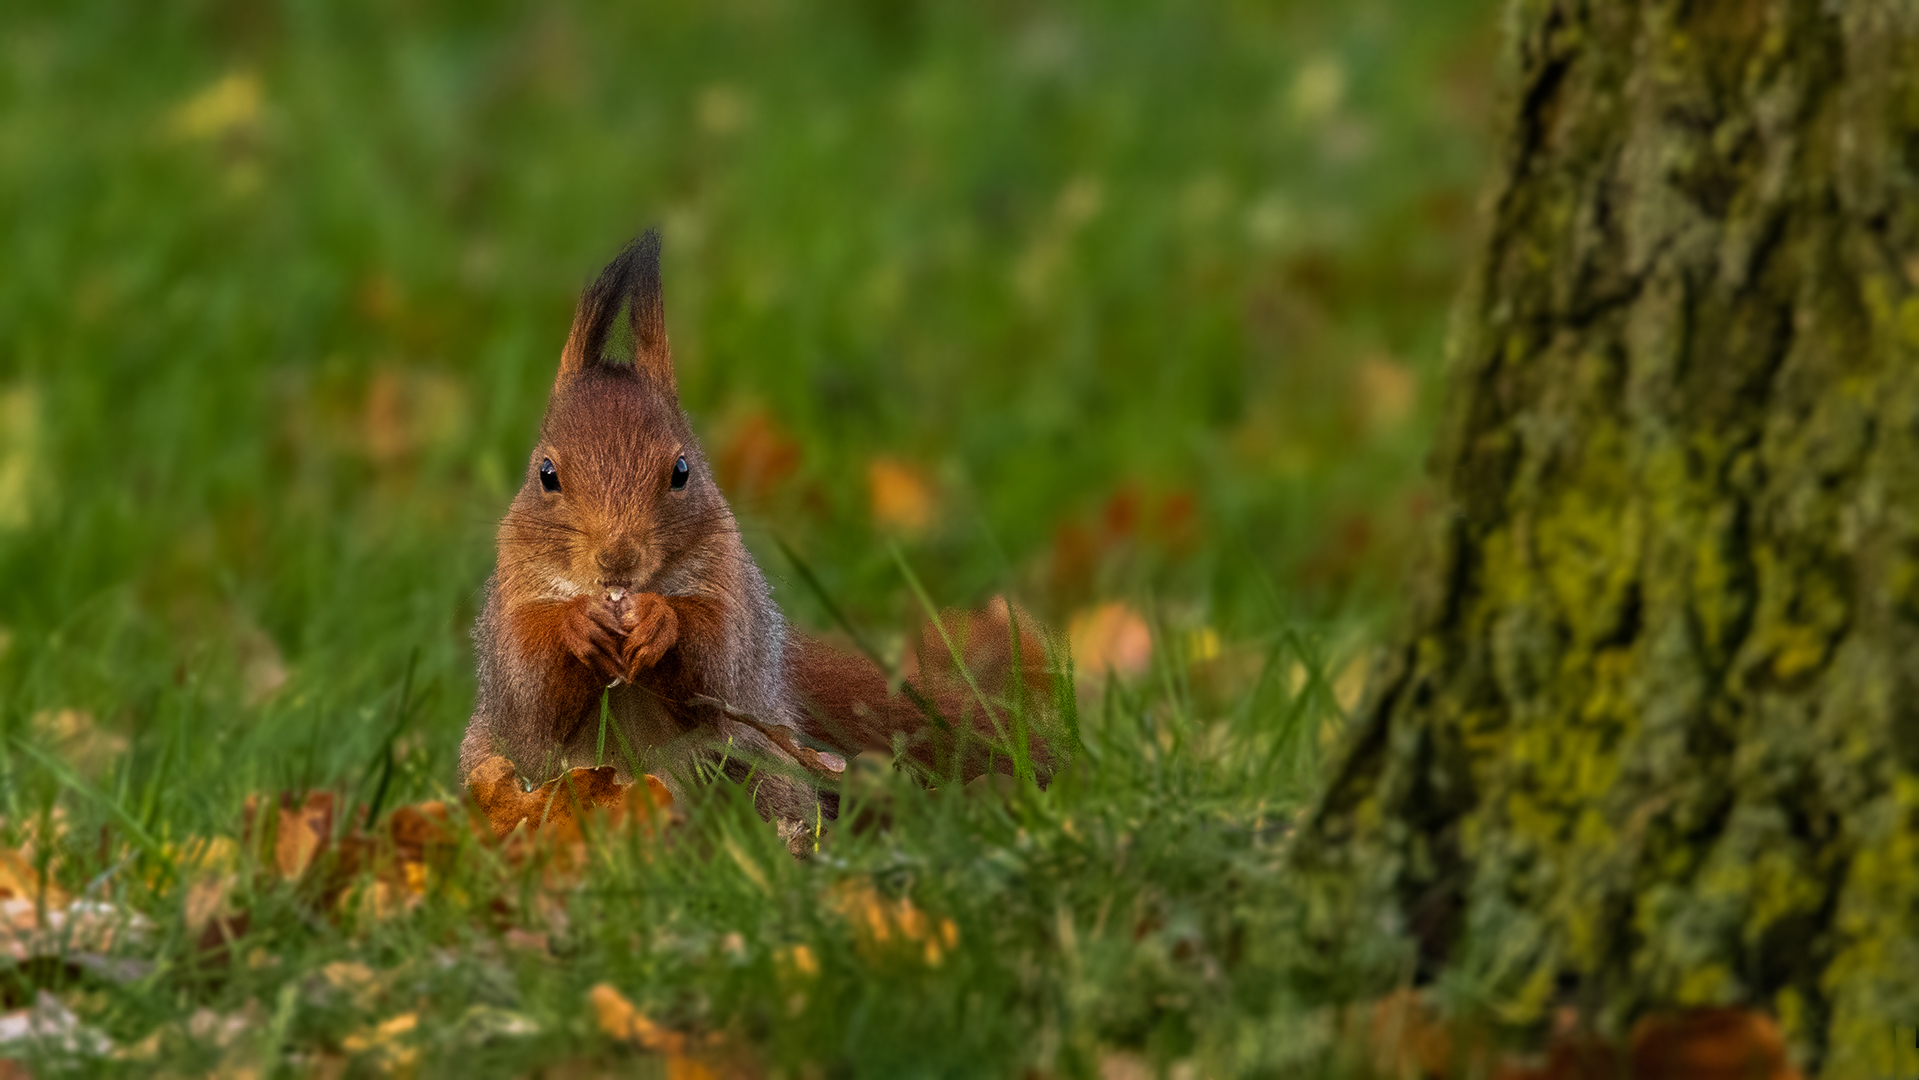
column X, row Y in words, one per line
column 713, row 1057
column 886, row 927
column 556, row 807
column 311, row 842
column 39, row 920
column 1408, row 1040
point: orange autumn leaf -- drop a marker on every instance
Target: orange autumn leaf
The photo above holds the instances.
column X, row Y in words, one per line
column 417, row 829
column 620, row 1019
column 388, row 1044
column 758, row 460
column 293, row 832
column 303, row 831
column 1710, row 1044
column 495, row 786
column 21, row 881
column 901, row 497
column 1406, row 1037
column 883, row 926
column 39, row 919
column 1384, row 393
column 344, row 869
column 557, row 805
column 1110, row 637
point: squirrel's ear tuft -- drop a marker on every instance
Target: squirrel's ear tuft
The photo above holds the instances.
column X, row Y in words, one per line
column 632, row 282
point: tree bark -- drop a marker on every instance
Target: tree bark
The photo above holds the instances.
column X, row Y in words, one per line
column 1649, row 735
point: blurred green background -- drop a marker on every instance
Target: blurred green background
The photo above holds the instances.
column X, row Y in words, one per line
column 1137, row 300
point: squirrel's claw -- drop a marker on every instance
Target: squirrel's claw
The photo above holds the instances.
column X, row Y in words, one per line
column 653, row 629
column 593, row 636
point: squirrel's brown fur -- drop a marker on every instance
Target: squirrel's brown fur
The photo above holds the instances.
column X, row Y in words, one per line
column 848, row 704
column 618, row 579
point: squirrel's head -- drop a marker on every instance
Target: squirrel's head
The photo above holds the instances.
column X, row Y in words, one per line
column 617, row 493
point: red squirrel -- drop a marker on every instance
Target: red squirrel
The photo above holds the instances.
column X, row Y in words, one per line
column 621, row 570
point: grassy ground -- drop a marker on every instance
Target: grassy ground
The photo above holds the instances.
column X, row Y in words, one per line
column 1134, row 303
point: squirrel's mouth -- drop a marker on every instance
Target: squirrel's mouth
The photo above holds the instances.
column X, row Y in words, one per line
column 631, row 579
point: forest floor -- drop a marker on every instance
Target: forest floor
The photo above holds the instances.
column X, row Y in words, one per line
column 1131, row 312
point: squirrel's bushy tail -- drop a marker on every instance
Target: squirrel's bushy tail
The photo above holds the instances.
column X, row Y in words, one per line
column 937, row 717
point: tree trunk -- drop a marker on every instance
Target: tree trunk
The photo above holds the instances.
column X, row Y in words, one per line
column 1649, row 736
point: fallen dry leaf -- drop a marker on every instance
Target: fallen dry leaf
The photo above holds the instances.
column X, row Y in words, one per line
column 416, row 830
column 38, row 919
column 343, row 869
column 401, row 860
column 902, row 498
column 1405, row 1038
column 296, row 831
column 1710, row 1044
column 388, row 1044
column 620, row 1019
column 224, row 1029
column 21, row 880
column 1570, row 1057
column 496, row 790
column 207, row 900
column 301, row 839
column 353, row 982
column 756, row 462
column 1384, row 392
column 1110, row 637
column 886, row 927
column 797, row 967
column 984, row 640
column 800, row 961
column 531, row 941
column 546, row 823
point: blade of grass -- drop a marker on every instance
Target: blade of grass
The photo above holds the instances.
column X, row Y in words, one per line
column 932, row 613
column 401, row 711
column 7, row 778
column 1066, row 695
column 599, row 748
column 71, row 780
column 1022, row 750
column 834, row 612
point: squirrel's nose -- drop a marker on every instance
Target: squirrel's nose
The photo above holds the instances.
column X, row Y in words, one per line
column 618, row 561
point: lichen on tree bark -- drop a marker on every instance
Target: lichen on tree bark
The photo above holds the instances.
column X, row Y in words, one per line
column 1649, row 734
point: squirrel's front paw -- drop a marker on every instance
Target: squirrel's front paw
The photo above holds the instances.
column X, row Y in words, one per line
column 593, row 633
column 652, row 627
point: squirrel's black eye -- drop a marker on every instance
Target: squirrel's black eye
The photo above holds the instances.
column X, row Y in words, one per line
column 549, row 479
column 680, row 473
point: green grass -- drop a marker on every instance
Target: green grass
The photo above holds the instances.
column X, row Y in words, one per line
column 1150, row 294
